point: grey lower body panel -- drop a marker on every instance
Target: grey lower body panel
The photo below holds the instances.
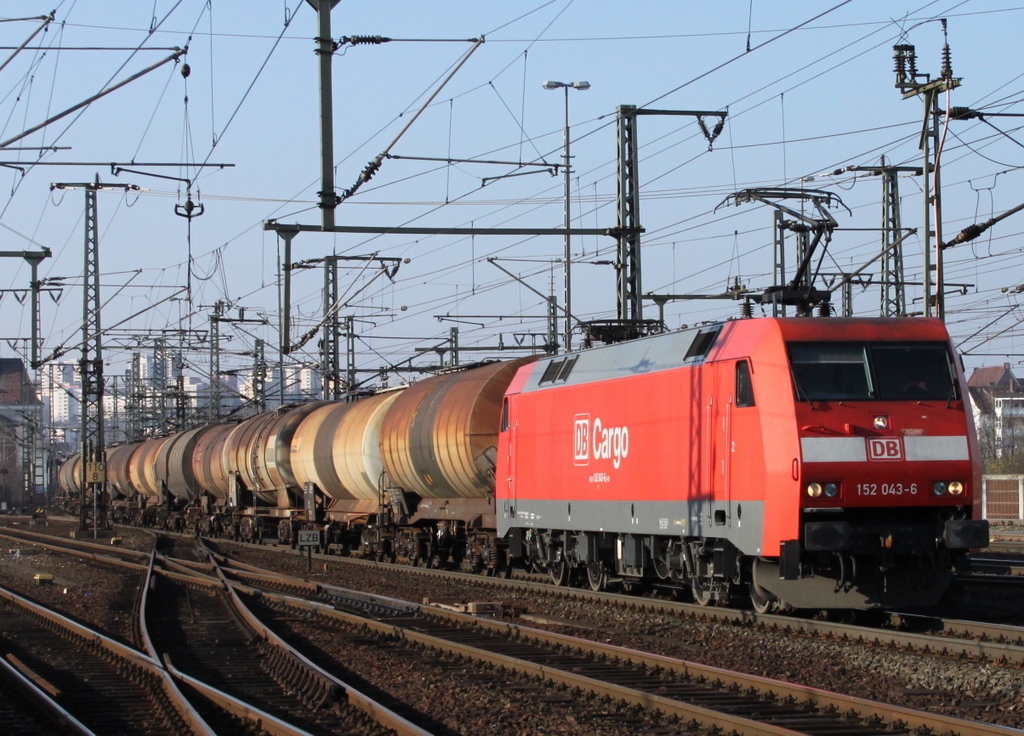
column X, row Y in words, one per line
column 740, row 522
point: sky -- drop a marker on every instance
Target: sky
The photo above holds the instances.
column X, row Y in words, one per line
column 808, row 88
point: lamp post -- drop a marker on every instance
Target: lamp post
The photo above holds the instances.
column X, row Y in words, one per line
column 568, row 191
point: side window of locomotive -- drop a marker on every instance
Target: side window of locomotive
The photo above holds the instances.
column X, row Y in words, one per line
column 908, row 371
column 744, row 388
column 702, row 343
column 832, row 371
column 550, row 372
column 557, row 371
column 504, row 415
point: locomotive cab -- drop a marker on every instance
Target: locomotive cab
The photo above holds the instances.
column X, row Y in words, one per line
column 887, row 478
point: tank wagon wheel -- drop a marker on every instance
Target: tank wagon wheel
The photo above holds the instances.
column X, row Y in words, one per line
column 502, row 568
column 474, row 565
column 433, row 561
column 597, row 577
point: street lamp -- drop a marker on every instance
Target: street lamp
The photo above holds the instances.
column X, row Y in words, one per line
column 568, row 191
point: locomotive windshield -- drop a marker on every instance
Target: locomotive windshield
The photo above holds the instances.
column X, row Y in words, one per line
column 876, row 371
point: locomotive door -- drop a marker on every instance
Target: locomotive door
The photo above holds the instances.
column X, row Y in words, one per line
column 716, row 440
column 510, row 428
column 731, row 424
column 740, row 433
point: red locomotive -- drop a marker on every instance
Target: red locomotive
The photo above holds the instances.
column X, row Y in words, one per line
column 808, row 463
column 819, row 463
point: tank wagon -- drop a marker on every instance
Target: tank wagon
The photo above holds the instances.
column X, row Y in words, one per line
column 804, row 463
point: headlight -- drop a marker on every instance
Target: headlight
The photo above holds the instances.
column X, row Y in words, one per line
column 881, row 421
column 814, row 490
column 939, row 488
column 831, row 490
column 956, row 488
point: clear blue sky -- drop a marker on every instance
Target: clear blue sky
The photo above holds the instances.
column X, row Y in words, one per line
column 814, row 93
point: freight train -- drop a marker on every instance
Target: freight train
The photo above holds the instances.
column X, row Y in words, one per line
column 798, row 463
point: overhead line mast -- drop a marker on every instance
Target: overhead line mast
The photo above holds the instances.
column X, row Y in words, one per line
column 629, row 322
column 908, row 81
column 92, row 516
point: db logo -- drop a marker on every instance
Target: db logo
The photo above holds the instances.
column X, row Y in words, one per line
column 581, row 439
column 885, row 448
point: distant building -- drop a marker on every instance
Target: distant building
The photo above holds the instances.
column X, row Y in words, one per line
column 60, row 389
column 300, row 384
column 997, row 400
column 20, row 409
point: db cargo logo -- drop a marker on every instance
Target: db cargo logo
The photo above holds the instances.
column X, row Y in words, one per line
column 581, row 439
column 885, row 448
column 594, row 440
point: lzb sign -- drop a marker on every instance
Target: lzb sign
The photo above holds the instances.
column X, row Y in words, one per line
column 95, row 473
column 309, row 538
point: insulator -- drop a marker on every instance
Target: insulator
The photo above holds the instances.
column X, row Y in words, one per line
column 824, row 309
column 746, row 309
column 719, row 127
column 357, row 40
column 186, row 70
column 947, row 62
column 963, row 113
column 900, row 60
column 703, row 127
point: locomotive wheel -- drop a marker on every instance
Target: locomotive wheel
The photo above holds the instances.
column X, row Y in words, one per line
column 761, row 599
column 597, row 578
column 559, row 572
column 702, row 595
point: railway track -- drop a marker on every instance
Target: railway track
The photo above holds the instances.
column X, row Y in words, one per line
column 203, row 631
column 911, row 632
column 148, row 694
column 1007, row 546
column 713, row 697
column 106, row 553
column 982, row 566
column 927, row 634
column 933, row 635
column 102, row 685
column 25, row 711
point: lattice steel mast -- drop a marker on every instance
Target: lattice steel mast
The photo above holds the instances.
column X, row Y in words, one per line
column 93, row 507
